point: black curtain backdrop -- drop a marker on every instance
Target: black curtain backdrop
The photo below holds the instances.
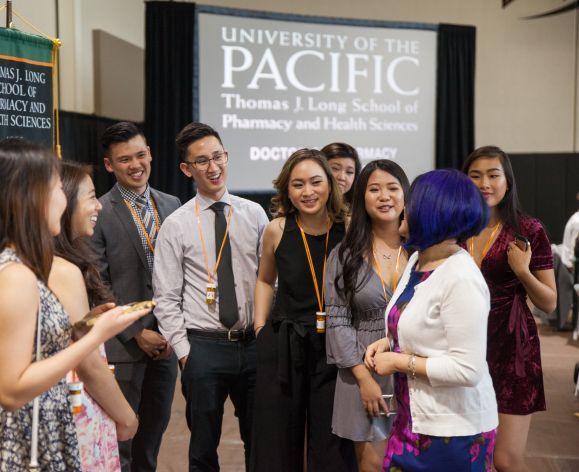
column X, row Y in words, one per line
column 547, row 184
column 169, row 63
column 80, row 140
column 455, row 94
column 169, row 94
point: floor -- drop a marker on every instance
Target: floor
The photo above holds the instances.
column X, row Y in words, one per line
column 553, row 444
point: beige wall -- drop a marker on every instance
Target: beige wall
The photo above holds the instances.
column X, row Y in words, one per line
column 116, row 93
column 526, row 91
column 78, row 18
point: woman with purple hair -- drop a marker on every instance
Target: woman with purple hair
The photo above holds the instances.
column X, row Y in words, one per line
column 436, row 345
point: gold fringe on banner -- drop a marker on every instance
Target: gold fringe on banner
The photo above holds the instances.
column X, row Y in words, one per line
column 56, row 43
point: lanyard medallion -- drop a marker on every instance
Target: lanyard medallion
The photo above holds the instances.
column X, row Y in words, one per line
column 321, row 314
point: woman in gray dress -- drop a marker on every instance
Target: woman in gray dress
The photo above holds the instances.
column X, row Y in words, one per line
column 361, row 276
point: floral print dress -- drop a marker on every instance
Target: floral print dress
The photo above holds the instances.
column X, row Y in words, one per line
column 407, row 451
column 57, row 440
column 97, row 433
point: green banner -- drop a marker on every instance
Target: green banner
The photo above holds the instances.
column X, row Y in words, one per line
column 26, row 102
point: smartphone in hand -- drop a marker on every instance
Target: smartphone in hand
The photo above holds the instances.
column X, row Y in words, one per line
column 522, row 243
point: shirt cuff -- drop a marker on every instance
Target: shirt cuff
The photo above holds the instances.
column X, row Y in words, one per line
column 182, row 348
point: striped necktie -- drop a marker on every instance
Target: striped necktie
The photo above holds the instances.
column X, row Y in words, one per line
column 147, row 218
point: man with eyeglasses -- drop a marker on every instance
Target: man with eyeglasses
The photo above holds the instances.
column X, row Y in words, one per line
column 205, row 274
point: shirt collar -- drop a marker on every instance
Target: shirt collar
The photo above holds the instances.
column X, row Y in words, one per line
column 131, row 196
column 205, row 202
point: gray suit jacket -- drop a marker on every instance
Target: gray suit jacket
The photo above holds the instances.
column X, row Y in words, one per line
column 123, row 265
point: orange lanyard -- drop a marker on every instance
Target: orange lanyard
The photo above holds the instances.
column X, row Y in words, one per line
column 395, row 278
column 142, row 225
column 209, row 276
column 311, row 263
column 487, row 246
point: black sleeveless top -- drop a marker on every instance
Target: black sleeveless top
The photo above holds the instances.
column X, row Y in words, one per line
column 296, row 296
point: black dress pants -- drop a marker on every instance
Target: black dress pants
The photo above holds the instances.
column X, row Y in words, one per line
column 216, row 369
column 149, row 387
column 285, row 412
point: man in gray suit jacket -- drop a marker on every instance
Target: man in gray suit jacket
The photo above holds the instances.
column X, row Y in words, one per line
column 124, row 240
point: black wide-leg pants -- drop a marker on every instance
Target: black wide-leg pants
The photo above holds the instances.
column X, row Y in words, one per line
column 284, row 413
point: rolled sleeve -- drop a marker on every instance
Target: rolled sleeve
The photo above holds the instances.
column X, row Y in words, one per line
column 168, row 288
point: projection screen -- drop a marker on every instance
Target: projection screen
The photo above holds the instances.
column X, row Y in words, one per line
column 275, row 84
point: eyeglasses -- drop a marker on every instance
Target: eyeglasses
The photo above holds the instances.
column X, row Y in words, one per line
column 202, row 163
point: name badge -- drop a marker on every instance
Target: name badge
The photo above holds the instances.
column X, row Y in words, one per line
column 320, row 322
column 210, row 294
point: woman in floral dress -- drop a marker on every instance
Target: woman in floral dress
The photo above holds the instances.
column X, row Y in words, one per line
column 446, row 408
column 31, row 206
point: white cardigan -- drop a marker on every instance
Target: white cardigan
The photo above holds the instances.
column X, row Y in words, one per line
column 446, row 322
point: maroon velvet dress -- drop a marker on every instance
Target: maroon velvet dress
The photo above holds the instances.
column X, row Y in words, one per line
column 513, row 351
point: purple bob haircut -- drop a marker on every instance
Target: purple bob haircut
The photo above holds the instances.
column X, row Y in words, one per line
column 443, row 204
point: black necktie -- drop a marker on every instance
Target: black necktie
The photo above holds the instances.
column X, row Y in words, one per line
column 228, row 311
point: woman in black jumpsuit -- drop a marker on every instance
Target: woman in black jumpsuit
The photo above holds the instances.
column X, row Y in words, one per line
column 295, row 386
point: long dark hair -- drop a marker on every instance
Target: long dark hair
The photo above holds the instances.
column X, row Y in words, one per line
column 357, row 244
column 509, row 207
column 26, row 174
column 76, row 250
column 334, row 150
column 281, row 204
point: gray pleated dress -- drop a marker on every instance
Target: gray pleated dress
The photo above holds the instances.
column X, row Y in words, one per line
column 349, row 331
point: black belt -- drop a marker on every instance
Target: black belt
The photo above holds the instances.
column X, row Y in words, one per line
column 234, row 335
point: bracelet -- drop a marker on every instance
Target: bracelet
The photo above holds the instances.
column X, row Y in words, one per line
column 257, row 328
column 412, row 366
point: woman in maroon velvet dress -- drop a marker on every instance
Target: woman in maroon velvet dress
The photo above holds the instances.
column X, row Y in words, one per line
column 513, row 350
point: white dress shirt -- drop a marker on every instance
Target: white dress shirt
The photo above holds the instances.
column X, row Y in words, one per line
column 180, row 274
